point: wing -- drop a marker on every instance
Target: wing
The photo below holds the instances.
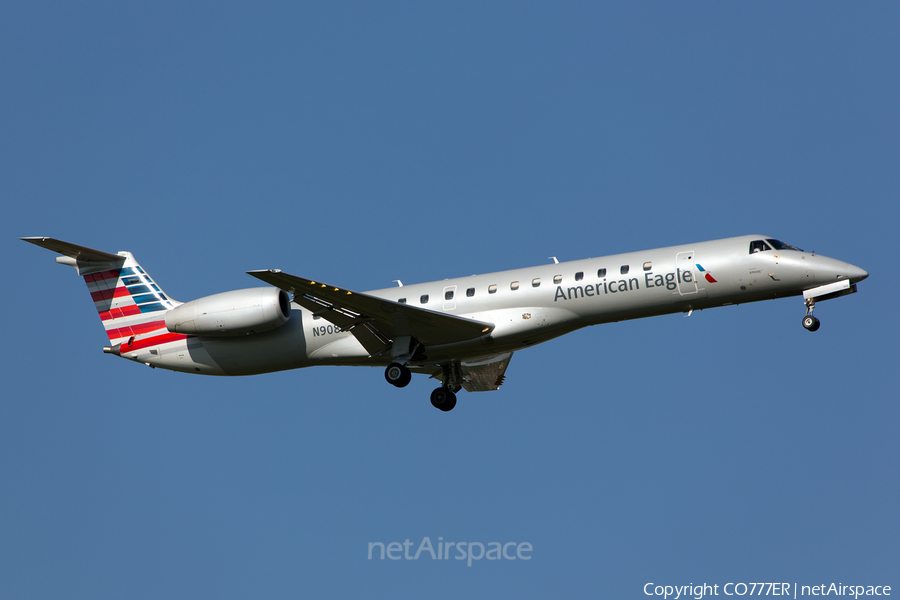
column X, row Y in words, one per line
column 483, row 374
column 375, row 322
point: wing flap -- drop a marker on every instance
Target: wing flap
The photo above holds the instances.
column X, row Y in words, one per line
column 371, row 340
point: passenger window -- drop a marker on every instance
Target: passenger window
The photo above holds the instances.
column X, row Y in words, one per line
column 536, row 282
column 648, row 265
column 557, row 279
column 470, row 292
column 758, row 246
column 514, row 285
column 624, row 270
column 448, row 295
column 402, row 300
column 579, row 275
column 423, row 299
column 316, row 317
column 601, row 272
column 492, row 289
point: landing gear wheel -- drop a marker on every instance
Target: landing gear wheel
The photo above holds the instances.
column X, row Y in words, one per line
column 398, row 375
column 443, row 399
column 810, row 323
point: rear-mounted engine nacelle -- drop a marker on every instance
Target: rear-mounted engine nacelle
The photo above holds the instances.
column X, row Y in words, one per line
column 239, row 312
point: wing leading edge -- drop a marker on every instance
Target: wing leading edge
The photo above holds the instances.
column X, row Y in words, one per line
column 374, row 321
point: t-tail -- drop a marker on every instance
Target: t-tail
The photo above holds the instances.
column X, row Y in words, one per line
column 131, row 305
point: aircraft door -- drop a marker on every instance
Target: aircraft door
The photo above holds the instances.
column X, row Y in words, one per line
column 450, row 297
column 684, row 266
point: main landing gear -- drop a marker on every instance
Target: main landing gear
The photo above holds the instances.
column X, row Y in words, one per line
column 443, row 398
column 809, row 321
column 398, row 375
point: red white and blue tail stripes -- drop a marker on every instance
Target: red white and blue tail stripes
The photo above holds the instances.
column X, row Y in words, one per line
column 131, row 306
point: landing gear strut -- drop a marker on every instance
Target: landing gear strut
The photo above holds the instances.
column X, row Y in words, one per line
column 398, row 375
column 809, row 321
column 444, row 397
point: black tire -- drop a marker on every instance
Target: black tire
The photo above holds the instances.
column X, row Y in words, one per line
column 451, row 404
column 443, row 399
column 397, row 375
column 811, row 323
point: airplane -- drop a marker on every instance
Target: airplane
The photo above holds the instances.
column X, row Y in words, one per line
column 462, row 332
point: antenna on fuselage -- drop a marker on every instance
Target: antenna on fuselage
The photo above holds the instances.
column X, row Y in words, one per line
column 398, row 282
column 555, row 262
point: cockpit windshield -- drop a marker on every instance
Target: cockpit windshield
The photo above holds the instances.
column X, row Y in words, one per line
column 758, row 246
column 782, row 246
column 764, row 245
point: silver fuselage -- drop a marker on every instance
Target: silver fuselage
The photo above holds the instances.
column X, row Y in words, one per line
column 530, row 305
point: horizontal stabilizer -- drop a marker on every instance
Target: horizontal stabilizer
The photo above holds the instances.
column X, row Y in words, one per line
column 77, row 252
column 86, row 260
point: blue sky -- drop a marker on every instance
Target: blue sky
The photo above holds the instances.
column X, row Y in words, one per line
column 360, row 143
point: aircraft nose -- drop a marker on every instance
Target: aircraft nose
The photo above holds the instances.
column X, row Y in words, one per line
column 856, row 274
column 831, row 269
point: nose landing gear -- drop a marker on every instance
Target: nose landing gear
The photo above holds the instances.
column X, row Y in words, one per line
column 809, row 321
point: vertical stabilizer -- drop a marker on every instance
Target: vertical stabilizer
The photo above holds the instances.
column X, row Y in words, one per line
column 131, row 306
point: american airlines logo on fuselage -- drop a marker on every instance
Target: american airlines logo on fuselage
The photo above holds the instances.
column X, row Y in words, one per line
column 669, row 281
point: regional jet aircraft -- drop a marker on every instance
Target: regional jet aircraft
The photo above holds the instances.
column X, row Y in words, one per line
column 461, row 331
